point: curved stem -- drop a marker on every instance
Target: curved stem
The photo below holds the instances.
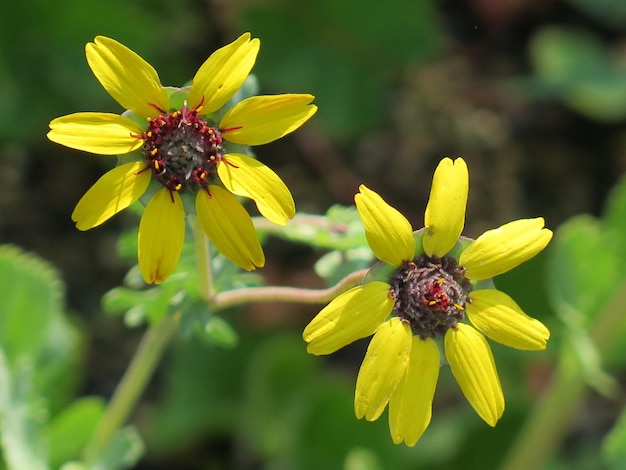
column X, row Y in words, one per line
column 132, row 385
column 548, row 423
column 287, row 294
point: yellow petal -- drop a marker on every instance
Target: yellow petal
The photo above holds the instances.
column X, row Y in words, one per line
column 114, row 191
column 161, row 236
column 502, row 249
column 129, row 79
column 445, row 213
column 383, row 367
column 229, row 227
column 223, row 73
column 100, row 133
column 262, row 119
column 475, row 371
column 410, row 406
column 247, row 177
column 502, row 320
column 352, row 315
column 388, row 232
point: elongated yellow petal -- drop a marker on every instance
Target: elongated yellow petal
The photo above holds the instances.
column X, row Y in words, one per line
column 100, row 133
column 353, row 315
column 502, row 320
column 161, row 236
column 410, row 406
column 129, row 79
column 383, row 367
column 388, row 232
column 502, row 249
column 229, row 227
column 262, row 119
column 247, row 177
column 223, row 73
column 445, row 213
column 475, row 371
column 114, row 191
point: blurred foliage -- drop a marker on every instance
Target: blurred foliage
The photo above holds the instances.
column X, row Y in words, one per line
column 346, row 56
column 41, row 65
column 579, row 69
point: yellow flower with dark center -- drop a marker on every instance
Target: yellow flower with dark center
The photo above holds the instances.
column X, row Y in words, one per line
column 428, row 283
column 179, row 145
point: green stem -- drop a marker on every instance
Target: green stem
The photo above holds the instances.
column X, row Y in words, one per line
column 132, row 384
column 549, row 422
column 286, row 294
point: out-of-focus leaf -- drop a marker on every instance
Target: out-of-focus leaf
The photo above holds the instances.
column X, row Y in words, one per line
column 217, row 331
column 143, row 305
column 583, row 270
column 581, row 72
column 70, row 431
column 614, row 445
column 360, row 458
column 123, row 451
column 31, row 296
column 340, row 229
column 21, row 418
column 336, row 265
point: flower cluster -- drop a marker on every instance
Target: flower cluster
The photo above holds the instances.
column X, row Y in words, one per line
column 172, row 138
column 427, row 284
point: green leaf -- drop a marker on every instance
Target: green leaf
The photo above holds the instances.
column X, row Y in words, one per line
column 583, row 270
column 20, row 418
column 123, row 451
column 71, row 430
column 614, row 445
column 340, row 229
column 219, row 332
column 31, row 295
column 582, row 72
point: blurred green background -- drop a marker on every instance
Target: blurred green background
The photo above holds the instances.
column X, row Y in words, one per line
column 532, row 94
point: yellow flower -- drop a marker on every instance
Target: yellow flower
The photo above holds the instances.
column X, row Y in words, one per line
column 179, row 145
column 422, row 291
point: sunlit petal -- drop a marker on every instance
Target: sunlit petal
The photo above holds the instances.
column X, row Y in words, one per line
column 475, row 371
column 502, row 249
column 247, row 177
column 229, row 227
column 223, row 73
column 262, row 119
column 352, row 315
column 410, row 406
column 100, row 133
column 161, row 236
column 114, row 191
column 129, row 79
column 388, row 232
column 383, row 367
column 502, row 320
column 445, row 213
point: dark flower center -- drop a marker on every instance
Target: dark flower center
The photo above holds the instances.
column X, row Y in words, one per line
column 182, row 150
column 430, row 294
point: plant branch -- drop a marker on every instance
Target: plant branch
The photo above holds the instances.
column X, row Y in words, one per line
column 287, row 294
column 548, row 423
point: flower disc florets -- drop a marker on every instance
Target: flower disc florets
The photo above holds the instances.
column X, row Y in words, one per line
column 182, row 149
column 430, row 294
